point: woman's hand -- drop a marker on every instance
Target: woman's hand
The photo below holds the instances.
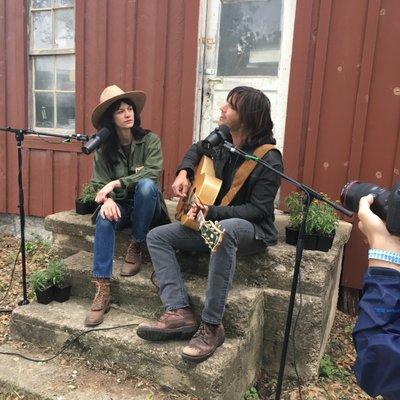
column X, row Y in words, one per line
column 194, row 210
column 101, row 196
column 181, row 184
column 110, row 210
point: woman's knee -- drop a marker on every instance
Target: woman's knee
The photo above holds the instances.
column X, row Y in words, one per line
column 146, row 187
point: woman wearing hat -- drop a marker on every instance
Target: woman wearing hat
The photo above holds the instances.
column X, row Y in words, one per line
column 125, row 173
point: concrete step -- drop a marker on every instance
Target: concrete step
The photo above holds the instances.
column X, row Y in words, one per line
column 138, row 295
column 63, row 380
column 226, row 375
column 272, row 269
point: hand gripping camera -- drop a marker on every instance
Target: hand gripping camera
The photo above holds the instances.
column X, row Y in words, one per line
column 386, row 201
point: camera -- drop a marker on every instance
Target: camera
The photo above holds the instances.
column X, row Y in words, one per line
column 386, row 201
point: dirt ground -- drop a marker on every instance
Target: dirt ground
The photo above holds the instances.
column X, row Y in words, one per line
column 336, row 379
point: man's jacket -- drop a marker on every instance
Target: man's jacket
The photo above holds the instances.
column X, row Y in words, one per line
column 255, row 200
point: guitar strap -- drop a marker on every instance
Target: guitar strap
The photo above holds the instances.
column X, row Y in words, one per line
column 244, row 172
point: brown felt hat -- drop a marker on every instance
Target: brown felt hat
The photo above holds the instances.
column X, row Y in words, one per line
column 113, row 93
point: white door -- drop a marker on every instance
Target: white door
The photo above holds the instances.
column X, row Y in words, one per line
column 244, row 42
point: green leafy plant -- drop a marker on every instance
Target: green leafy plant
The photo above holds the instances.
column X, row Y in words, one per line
column 40, row 280
column 328, row 369
column 57, row 272
column 88, row 193
column 251, row 394
column 321, row 217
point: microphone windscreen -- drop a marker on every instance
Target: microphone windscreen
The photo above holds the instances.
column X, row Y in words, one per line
column 103, row 134
column 224, row 130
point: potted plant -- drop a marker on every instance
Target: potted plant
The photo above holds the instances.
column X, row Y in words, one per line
column 60, row 279
column 294, row 205
column 326, row 222
column 85, row 203
column 42, row 286
column 320, row 225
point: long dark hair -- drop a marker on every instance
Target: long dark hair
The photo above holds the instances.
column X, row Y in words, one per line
column 254, row 109
column 109, row 148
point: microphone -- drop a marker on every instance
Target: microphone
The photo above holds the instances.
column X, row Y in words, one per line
column 94, row 142
column 216, row 137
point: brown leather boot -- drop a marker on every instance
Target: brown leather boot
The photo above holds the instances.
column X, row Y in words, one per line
column 133, row 260
column 204, row 343
column 101, row 302
column 175, row 324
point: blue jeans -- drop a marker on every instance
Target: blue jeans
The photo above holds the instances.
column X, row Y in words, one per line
column 140, row 211
column 162, row 242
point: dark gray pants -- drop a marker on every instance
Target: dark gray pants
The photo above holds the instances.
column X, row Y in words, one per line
column 164, row 240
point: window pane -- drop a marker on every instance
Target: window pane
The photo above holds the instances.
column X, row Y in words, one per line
column 44, row 110
column 44, row 73
column 65, row 110
column 64, row 29
column 250, row 38
column 60, row 3
column 41, row 3
column 41, row 29
column 66, row 72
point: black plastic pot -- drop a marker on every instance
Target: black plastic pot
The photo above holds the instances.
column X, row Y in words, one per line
column 85, row 208
column 45, row 296
column 325, row 242
column 310, row 241
column 291, row 235
column 62, row 294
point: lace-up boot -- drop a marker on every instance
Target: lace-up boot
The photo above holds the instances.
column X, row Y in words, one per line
column 175, row 324
column 204, row 343
column 101, row 302
column 133, row 260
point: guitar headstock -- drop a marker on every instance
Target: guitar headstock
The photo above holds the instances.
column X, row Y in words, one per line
column 212, row 234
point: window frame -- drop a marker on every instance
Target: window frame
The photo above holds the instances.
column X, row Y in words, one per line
column 33, row 54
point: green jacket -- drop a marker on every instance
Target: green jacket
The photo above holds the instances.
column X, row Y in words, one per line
column 145, row 161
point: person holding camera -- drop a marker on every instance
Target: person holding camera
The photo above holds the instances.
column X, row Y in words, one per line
column 377, row 331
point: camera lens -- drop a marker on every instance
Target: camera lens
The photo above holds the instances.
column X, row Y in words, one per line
column 354, row 190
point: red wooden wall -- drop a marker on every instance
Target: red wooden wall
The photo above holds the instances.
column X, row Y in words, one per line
column 136, row 44
column 343, row 114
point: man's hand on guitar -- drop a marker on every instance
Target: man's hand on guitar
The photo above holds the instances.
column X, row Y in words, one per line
column 181, row 184
column 194, row 210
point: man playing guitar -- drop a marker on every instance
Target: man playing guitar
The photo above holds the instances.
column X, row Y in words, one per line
column 246, row 215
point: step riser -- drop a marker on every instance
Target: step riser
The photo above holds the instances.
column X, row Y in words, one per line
column 122, row 350
column 138, row 296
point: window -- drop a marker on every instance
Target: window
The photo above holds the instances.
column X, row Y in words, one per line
column 250, row 37
column 52, row 58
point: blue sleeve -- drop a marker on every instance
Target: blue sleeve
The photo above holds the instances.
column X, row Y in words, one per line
column 377, row 334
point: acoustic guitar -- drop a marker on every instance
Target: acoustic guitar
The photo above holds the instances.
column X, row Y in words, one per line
column 204, row 190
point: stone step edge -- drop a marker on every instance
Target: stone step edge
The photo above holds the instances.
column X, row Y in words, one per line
column 159, row 362
column 47, row 381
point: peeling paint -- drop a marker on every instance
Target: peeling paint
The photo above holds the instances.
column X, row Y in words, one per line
column 326, row 165
column 396, row 91
column 396, row 171
column 378, row 174
column 382, row 11
column 340, row 68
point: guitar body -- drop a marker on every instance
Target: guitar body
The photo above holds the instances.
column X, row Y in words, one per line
column 206, row 188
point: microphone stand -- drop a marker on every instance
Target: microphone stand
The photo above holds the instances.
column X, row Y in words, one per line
column 309, row 195
column 19, row 137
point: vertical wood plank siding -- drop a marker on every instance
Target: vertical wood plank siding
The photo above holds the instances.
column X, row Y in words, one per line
column 343, row 118
column 136, row 44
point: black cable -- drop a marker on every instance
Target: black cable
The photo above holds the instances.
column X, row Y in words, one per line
column 67, row 344
column 11, row 280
